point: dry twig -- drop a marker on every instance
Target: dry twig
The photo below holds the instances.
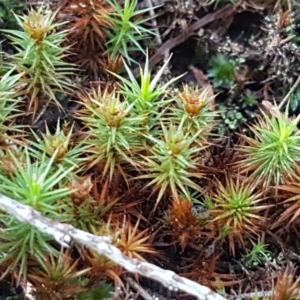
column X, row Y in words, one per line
column 288, row 95
column 145, row 295
column 154, row 22
column 222, row 13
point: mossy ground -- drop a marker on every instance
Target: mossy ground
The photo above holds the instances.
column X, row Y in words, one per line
column 262, row 72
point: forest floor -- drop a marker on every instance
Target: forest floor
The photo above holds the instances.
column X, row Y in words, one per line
column 259, row 41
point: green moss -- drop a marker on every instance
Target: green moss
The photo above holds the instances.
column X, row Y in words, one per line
column 7, row 7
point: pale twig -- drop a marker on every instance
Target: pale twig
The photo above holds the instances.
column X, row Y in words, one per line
column 145, row 295
column 288, row 95
column 284, row 41
column 154, row 22
column 260, row 294
column 65, row 233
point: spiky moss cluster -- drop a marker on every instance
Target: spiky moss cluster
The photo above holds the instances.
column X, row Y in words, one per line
column 101, row 32
column 138, row 139
column 60, row 192
column 78, row 181
column 257, row 185
column 183, row 221
column 127, row 129
column 272, row 155
column 39, row 58
column 86, row 33
column 33, row 183
column 61, row 177
column 113, row 133
column 98, row 31
column 235, row 210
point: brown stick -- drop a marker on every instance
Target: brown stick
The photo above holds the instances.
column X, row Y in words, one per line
column 190, row 31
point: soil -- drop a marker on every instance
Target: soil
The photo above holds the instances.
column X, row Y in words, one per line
column 243, row 33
